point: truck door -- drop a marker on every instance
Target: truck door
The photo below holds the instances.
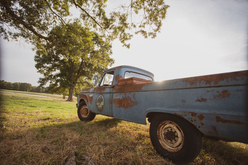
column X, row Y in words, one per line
column 103, row 94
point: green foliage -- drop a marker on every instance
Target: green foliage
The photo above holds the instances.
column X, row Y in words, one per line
column 21, row 87
column 16, row 86
column 33, row 19
column 25, row 87
column 77, row 55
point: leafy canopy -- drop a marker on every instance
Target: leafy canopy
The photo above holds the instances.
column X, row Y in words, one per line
column 33, row 19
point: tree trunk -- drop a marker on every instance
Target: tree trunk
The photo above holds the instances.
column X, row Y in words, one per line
column 71, row 91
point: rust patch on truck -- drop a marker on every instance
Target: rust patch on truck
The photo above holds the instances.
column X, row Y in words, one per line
column 133, row 81
column 129, row 88
column 125, row 102
column 215, row 79
column 201, row 117
column 201, row 100
column 179, row 115
column 118, row 77
column 111, row 100
column 90, row 98
column 223, row 94
column 84, row 97
column 224, row 121
column 99, row 89
column 193, row 114
column 86, row 90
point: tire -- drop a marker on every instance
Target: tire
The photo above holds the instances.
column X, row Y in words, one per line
column 84, row 114
column 175, row 138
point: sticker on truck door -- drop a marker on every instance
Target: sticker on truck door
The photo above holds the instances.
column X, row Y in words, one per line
column 100, row 102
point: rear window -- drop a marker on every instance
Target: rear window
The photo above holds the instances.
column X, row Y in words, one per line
column 137, row 75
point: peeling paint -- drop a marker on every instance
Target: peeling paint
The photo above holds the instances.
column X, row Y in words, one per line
column 118, row 77
column 201, row 117
column 100, row 89
column 201, row 100
column 133, row 81
column 224, row 121
column 223, row 94
column 84, row 97
column 193, row 114
column 86, row 90
column 126, row 101
column 129, row 88
column 90, row 98
column 111, row 100
column 215, row 79
column 178, row 115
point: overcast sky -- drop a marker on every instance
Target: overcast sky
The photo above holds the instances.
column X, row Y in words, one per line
column 198, row 37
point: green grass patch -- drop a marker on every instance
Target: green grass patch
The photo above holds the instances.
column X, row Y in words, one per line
column 43, row 130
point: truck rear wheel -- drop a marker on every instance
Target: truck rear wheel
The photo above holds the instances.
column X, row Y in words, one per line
column 84, row 114
column 175, row 138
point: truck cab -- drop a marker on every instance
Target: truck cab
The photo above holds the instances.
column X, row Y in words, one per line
column 100, row 98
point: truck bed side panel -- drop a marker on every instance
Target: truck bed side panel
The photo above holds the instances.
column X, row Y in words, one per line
column 216, row 104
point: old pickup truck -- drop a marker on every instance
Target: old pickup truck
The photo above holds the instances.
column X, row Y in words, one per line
column 180, row 111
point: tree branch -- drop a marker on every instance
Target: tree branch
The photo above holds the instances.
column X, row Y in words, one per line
column 21, row 21
column 61, row 19
column 86, row 13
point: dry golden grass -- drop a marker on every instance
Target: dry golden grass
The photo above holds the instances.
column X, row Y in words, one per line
column 45, row 130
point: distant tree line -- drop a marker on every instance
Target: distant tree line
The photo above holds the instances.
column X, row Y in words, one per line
column 22, row 87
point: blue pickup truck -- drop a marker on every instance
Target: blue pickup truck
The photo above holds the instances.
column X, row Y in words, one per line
column 180, row 111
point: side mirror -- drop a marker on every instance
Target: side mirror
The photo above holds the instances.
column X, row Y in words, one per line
column 95, row 80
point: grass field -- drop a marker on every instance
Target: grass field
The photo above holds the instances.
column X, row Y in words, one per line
column 43, row 130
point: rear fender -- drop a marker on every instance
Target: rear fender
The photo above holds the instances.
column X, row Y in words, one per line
column 196, row 119
column 220, row 126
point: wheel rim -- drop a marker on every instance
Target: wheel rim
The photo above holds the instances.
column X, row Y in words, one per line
column 170, row 136
column 84, row 112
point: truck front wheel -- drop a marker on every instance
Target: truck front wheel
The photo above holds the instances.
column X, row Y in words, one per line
column 84, row 114
column 175, row 138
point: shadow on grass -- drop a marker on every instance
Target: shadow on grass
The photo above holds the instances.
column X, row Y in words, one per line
column 97, row 140
column 111, row 122
column 213, row 151
column 225, row 153
column 105, row 123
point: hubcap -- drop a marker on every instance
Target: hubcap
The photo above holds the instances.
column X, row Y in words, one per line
column 84, row 112
column 170, row 136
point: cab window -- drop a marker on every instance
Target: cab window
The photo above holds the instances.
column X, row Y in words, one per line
column 107, row 79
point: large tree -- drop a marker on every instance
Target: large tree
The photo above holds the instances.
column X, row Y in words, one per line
column 33, row 19
column 68, row 53
column 77, row 55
